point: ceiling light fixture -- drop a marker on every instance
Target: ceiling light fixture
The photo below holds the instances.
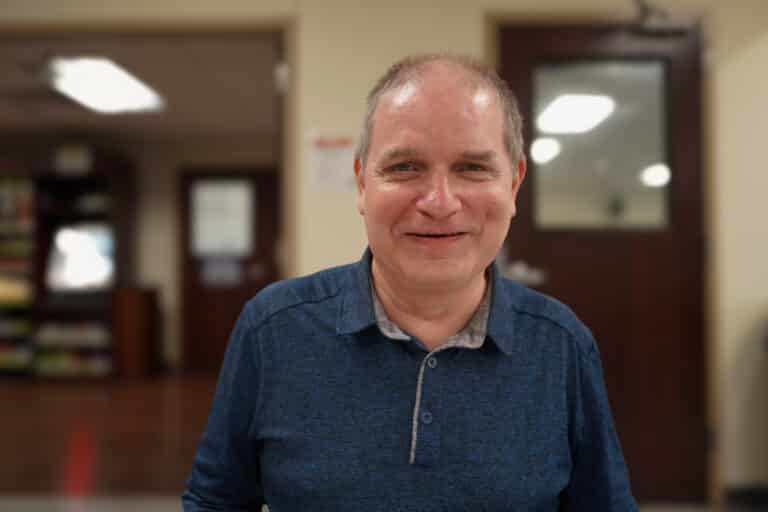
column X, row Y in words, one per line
column 99, row 84
column 575, row 113
column 544, row 150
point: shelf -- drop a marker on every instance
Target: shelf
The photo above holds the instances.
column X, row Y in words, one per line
column 63, row 217
column 15, row 290
column 15, row 358
column 14, row 340
column 15, row 267
column 76, row 348
column 16, row 233
column 77, row 181
column 14, row 327
column 16, row 306
column 90, row 304
column 73, row 336
column 68, row 364
column 15, row 252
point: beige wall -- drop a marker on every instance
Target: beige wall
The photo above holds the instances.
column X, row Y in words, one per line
column 337, row 48
column 739, row 184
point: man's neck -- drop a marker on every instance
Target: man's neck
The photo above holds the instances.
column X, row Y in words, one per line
column 431, row 315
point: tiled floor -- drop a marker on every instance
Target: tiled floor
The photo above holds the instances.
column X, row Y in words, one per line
column 98, row 505
column 110, row 438
column 171, row 505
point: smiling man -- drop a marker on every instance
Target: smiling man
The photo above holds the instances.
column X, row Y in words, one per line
column 418, row 379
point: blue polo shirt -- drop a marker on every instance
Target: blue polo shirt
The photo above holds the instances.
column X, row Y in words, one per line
column 316, row 410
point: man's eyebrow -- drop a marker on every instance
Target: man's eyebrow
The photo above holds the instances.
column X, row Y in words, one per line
column 395, row 153
column 479, row 156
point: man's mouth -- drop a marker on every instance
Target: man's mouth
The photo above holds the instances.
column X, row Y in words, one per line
column 437, row 235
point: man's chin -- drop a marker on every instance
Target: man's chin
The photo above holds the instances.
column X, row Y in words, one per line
column 440, row 274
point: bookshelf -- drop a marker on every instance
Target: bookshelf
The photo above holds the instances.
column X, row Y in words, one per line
column 66, row 237
column 84, row 217
column 17, row 243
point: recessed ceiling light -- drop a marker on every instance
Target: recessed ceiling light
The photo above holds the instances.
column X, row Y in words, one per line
column 545, row 149
column 655, row 176
column 575, row 113
column 99, row 84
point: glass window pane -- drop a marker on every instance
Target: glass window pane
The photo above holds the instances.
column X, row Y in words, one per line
column 599, row 147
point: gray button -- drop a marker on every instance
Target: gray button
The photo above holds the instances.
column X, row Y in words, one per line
column 432, row 362
column 426, row 417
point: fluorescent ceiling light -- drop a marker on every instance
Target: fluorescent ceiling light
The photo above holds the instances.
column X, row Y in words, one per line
column 655, row 176
column 99, row 84
column 545, row 149
column 575, row 113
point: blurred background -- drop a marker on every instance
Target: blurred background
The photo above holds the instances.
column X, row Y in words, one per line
column 160, row 162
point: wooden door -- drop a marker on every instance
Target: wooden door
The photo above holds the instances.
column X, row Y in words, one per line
column 230, row 227
column 638, row 284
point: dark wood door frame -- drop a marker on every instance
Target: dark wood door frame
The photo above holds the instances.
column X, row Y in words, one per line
column 635, row 257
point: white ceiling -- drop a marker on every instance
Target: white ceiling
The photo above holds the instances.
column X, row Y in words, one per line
column 215, row 85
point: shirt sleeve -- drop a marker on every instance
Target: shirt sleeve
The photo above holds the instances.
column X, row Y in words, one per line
column 599, row 478
column 225, row 473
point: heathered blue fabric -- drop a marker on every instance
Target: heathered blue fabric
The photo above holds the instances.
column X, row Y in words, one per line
column 313, row 411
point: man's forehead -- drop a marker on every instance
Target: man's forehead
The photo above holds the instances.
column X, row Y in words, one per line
column 437, row 79
column 404, row 151
column 451, row 95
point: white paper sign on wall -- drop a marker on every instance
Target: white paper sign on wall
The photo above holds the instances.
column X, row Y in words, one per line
column 333, row 160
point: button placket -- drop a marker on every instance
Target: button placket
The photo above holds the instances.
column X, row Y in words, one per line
column 425, row 445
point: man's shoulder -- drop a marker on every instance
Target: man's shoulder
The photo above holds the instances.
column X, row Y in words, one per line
column 314, row 289
column 532, row 309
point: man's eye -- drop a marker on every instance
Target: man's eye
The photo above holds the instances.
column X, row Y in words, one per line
column 469, row 166
column 403, row 167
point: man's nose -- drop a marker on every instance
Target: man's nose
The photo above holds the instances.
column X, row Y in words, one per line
column 439, row 199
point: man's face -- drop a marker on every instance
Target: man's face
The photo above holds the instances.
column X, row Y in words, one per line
column 438, row 188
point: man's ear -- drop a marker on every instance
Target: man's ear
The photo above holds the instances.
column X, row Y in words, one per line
column 521, row 170
column 516, row 182
column 360, row 182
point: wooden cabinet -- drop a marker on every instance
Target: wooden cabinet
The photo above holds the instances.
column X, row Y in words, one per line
column 136, row 325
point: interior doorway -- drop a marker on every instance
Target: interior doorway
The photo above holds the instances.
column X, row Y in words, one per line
column 230, row 222
column 610, row 222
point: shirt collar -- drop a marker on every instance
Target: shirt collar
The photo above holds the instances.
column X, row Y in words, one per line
column 356, row 311
column 471, row 335
column 357, row 308
column 501, row 324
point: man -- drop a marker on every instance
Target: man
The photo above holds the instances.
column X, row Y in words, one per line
column 418, row 379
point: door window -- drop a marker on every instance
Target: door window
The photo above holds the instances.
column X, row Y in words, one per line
column 598, row 149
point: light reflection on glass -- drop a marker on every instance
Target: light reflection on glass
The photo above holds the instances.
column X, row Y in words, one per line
column 81, row 258
column 545, row 149
column 575, row 113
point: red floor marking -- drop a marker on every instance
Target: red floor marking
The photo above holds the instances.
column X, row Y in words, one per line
column 79, row 463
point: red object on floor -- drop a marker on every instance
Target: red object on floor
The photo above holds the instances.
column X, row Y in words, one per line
column 78, row 477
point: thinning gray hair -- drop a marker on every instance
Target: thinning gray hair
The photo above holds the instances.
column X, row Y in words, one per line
column 413, row 67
